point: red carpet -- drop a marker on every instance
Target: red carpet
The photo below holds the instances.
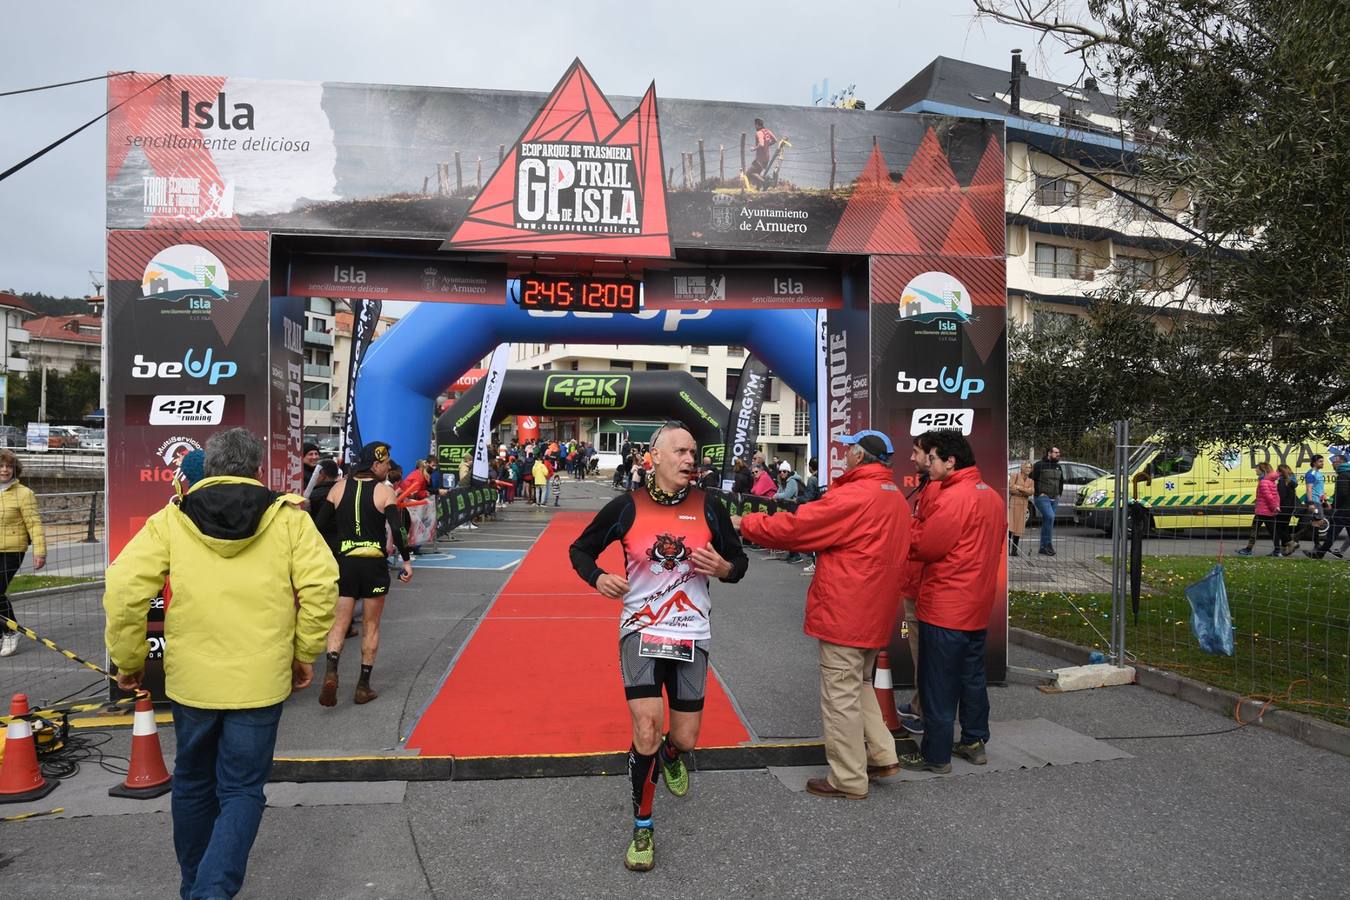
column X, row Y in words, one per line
column 541, row 674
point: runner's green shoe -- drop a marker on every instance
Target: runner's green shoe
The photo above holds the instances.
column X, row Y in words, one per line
column 676, row 775
column 641, row 855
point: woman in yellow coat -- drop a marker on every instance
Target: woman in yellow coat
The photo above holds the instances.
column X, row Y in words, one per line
column 1020, row 489
column 20, row 526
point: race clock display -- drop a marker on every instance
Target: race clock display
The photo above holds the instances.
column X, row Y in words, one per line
column 556, row 292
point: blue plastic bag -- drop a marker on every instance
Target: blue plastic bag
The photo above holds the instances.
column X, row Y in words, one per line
column 1211, row 622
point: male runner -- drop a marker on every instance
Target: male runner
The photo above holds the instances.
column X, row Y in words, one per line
column 363, row 504
column 675, row 537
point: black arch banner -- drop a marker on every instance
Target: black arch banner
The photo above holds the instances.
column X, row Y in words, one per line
column 670, row 395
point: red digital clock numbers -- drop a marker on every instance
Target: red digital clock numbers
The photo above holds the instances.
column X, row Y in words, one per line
column 580, row 294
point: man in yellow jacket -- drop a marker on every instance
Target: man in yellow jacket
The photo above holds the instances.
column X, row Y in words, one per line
column 236, row 643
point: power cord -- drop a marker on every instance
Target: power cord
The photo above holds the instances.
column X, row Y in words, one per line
column 66, row 752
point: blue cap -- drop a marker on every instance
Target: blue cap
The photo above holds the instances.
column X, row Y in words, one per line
column 193, row 467
column 874, row 442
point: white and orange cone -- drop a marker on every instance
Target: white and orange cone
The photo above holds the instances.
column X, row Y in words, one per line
column 885, row 688
column 146, row 776
column 21, row 778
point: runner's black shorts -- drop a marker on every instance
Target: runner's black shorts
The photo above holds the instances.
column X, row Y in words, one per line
column 684, row 682
column 363, row 576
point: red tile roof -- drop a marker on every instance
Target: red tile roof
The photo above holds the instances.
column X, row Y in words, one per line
column 7, row 299
column 66, row 328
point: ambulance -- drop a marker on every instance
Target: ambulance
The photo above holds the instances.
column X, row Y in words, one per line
column 1209, row 487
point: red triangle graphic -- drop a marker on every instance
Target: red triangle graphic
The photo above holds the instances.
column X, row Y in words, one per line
column 872, row 193
column 985, row 193
column 930, row 194
column 965, row 237
column 577, row 112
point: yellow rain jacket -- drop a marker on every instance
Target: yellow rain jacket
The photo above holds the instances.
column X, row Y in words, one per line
column 253, row 587
column 20, row 523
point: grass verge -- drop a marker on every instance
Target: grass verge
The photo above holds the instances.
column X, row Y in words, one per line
column 1291, row 620
column 23, row 583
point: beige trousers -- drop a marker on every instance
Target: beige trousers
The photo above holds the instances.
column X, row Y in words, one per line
column 855, row 734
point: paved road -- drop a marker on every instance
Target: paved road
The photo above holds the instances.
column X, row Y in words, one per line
column 1242, row 814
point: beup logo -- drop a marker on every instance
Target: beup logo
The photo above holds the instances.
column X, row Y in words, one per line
column 956, row 384
column 572, row 392
column 188, row 273
column 579, row 179
column 214, row 371
column 936, row 297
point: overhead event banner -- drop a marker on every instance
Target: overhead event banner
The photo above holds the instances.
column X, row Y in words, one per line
column 385, row 278
column 471, row 167
column 741, row 288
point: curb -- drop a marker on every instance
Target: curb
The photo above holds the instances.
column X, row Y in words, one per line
column 489, row 768
column 1313, row 732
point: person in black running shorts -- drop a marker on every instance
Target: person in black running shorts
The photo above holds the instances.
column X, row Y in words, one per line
column 675, row 537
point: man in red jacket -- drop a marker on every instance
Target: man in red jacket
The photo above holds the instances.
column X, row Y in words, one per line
column 958, row 542
column 859, row 530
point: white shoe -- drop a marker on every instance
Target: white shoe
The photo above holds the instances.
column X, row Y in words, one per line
column 9, row 644
column 471, row 527
column 809, row 570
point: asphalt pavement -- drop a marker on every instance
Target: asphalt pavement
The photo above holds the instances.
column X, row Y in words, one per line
column 1243, row 813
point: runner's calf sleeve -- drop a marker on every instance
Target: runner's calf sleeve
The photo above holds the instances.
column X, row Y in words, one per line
column 365, row 674
column 669, row 750
column 643, row 773
column 395, row 520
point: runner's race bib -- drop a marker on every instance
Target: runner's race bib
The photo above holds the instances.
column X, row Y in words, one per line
column 676, row 649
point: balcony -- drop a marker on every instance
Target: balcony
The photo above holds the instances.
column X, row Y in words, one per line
column 313, row 371
column 18, row 335
column 318, row 405
column 16, row 364
column 321, row 338
column 1071, row 271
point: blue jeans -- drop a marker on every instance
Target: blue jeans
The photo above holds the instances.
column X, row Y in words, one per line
column 951, row 678
column 224, row 758
column 1045, row 506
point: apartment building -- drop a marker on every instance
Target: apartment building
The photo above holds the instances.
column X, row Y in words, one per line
column 1071, row 171
column 60, row 343
column 14, row 337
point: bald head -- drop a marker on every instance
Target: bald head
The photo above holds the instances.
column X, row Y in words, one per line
column 673, row 457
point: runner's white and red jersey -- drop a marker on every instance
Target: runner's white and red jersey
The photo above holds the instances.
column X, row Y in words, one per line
column 666, row 597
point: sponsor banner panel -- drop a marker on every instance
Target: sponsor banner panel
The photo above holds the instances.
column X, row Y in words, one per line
column 285, row 366
column 843, row 377
column 391, row 278
column 742, row 428
column 939, row 360
column 741, row 288
column 187, row 312
column 571, row 170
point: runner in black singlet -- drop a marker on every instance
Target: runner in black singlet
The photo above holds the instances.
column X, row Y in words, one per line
column 363, row 505
column 675, row 537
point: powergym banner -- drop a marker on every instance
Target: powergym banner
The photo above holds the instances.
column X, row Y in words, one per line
column 742, row 428
column 365, row 320
column 286, row 360
column 639, row 176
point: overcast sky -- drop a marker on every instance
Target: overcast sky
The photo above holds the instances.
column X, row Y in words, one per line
column 52, row 212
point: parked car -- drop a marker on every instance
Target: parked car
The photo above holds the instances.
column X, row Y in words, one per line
column 12, row 436
column 1076, row 475
column 63, row 437
column 93, row 439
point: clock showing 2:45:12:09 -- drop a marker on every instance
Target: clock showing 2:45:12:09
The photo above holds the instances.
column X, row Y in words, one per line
column 555, row 292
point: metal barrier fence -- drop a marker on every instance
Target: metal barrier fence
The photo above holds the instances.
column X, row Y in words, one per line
column 62, row 601
column 1164, row 513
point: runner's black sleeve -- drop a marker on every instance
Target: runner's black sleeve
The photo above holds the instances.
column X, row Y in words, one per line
column 395, row 520
column 608, row 526
column 725, row 539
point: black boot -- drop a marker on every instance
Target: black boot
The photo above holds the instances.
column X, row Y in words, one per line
column 1014, row 542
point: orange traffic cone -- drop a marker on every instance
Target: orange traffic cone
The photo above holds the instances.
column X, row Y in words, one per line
column 881, row 683
column 147, row 776
column 20, row 777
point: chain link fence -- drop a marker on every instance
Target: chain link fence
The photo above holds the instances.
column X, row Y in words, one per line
column 1257, row 502
column 62, row 602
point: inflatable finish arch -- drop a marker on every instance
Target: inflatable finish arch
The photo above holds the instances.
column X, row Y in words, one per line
column 669, row 394
column 435, row 343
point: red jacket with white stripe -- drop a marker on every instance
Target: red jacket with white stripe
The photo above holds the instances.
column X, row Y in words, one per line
column 958, row 541
column 859, row 530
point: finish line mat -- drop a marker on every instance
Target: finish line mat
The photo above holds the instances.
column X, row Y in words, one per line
column 1017, row 744
column 540, row 675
